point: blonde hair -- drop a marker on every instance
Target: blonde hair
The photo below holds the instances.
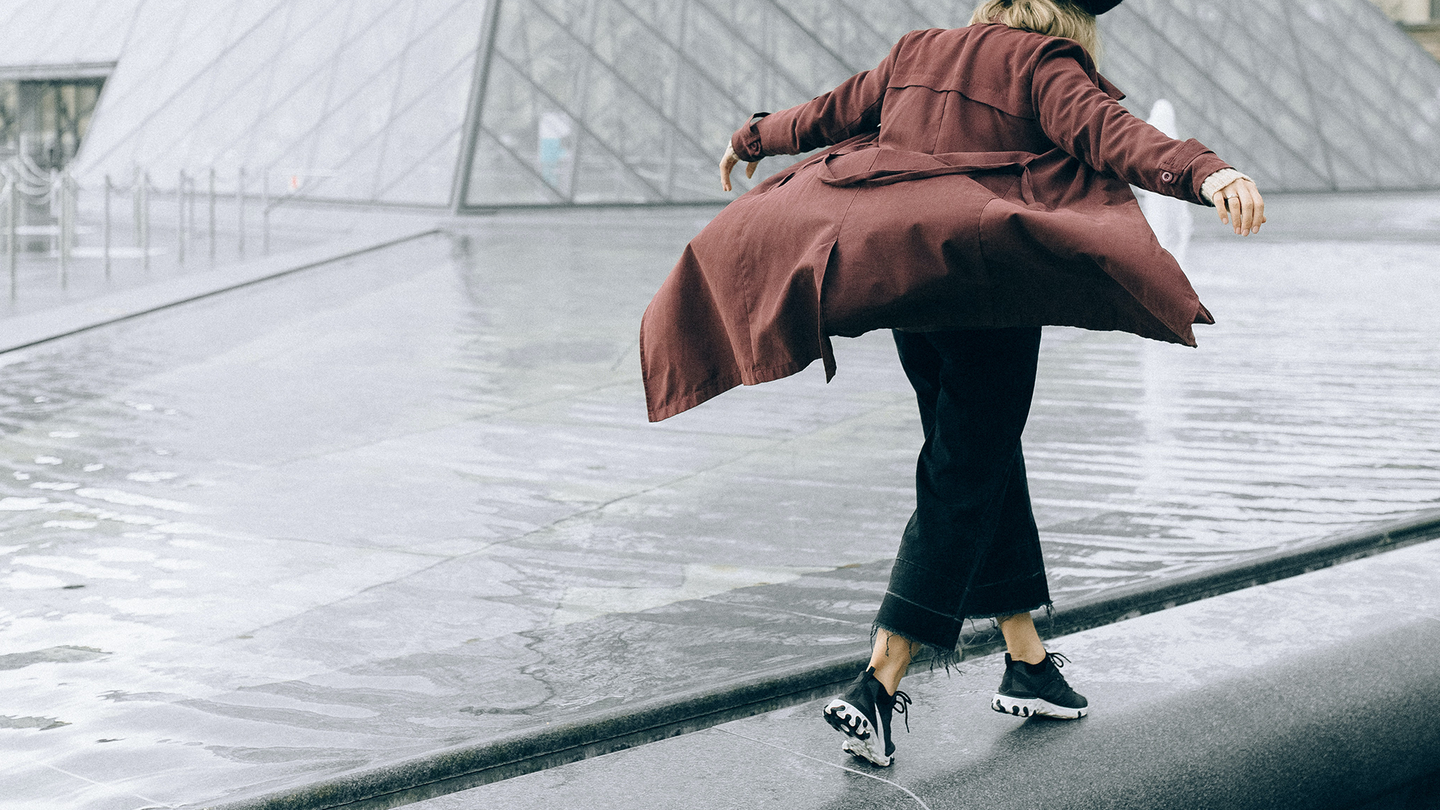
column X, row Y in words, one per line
column 1055, row 18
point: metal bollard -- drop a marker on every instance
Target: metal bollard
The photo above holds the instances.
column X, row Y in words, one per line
column 265, row 214
column 74, row 197
column 105, row 251
column 52, row 201
column 212, row 214
column 180, row 218
column 145, row 221
column 12, row 228
column 240, row 211
column 135, row 204
column 61, row 206
column 190, row 216
column 72, row 214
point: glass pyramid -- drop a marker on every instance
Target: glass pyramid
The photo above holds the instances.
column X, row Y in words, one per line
column 633, row 100
column 476, row 104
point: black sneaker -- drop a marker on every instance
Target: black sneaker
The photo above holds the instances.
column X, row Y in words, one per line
column 1038, row 689
column 862, row 714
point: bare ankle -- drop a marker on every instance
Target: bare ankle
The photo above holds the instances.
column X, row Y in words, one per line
column 889, row 679
column 1021, row 640
column 1029, row 656
column 890, row 659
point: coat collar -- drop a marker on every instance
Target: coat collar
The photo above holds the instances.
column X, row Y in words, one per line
column 1110, row 89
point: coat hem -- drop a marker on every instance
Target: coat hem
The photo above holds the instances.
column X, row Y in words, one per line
column 718, row 385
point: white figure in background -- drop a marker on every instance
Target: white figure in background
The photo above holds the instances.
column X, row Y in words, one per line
column 1172, row 220
column 555, row 130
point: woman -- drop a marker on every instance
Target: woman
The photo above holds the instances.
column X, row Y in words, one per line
column 976, row 188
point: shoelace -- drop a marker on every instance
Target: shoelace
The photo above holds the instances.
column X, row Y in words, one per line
column 1057, row 659
column 902, row 704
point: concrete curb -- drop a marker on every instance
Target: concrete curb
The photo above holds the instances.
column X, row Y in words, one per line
column 32, row 329
column 469, row 766
column 1317, row 692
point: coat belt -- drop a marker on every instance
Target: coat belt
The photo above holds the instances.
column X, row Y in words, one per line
column 903, row 166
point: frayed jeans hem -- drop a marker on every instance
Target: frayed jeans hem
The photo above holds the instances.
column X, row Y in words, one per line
column 947, row 656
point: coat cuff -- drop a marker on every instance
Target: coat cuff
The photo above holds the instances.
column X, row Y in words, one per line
column 1205, row 165
column 746, row 140
column 1218, row 180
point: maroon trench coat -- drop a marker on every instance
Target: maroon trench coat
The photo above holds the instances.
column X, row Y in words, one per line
column 978, row 178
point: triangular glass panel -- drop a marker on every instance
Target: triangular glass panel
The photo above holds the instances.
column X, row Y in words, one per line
column 601, row 176
column 414, row 138
column 500, row 176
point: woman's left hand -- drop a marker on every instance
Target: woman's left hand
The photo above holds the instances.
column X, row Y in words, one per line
column 728, row 162
column 1241, row 207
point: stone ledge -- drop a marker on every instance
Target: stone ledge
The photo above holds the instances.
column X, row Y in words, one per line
column 34, row 328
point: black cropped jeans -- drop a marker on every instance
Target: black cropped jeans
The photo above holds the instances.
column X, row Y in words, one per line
column 971, row 550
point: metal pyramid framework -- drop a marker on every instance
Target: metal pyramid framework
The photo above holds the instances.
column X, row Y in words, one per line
column 633, row 100
column 1302, row 94
column 477, row 104
column 359, row 101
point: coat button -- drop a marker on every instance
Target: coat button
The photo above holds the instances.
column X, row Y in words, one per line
column 1168, row 177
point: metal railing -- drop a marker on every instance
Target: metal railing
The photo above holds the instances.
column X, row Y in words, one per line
column 40, row 219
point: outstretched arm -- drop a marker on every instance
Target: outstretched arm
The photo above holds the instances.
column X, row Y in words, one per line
column 850, row 109
column 1085, row 121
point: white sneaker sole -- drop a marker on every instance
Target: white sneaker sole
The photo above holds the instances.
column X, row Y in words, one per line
column 848, row 720
column 1035, row 707
column 860, row 737
column 863, row 750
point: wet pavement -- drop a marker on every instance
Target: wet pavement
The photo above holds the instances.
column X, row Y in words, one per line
column 410, row 501
column 41, row 281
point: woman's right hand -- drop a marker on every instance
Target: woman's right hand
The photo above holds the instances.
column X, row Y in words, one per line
column 728, row 162
column 1241, row 206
